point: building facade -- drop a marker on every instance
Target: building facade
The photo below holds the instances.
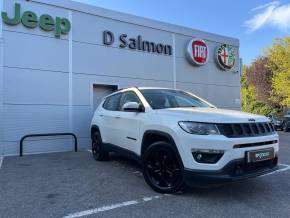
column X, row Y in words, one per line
column 59, row 58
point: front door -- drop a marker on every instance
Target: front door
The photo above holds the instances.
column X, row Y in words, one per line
column 128, row 123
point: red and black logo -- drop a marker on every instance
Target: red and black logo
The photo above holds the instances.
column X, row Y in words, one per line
column 197, row 52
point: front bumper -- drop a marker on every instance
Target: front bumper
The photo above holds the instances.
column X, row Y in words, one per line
column 236, row 170
column 278, row 126
column 187, row 143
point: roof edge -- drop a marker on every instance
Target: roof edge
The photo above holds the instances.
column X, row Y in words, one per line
column 137, row 20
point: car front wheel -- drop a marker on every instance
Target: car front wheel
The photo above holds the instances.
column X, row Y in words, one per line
column 285, row 127
column 162, row 168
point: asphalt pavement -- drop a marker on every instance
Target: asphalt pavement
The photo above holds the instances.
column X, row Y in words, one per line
column 75, row 185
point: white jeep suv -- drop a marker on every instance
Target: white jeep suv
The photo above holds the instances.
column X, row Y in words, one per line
column 180, row 138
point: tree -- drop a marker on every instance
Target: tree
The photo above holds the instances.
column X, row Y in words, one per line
column 259, row 75
column 279, row 56
column 249, row 100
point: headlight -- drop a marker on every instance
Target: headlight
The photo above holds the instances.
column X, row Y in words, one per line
column 199, row 128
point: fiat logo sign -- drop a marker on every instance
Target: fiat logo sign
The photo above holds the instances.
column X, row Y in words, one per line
column 197, row 52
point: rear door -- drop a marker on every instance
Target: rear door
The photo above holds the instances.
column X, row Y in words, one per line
column 109, row 119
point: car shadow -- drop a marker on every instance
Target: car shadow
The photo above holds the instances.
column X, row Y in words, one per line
column 125, row 162
column 243, row 189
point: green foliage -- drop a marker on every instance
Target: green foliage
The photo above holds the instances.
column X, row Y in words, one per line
column 272, row 93
column 279, row 55
column 251, row 104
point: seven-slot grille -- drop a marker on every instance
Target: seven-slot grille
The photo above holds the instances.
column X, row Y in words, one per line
column 238, row 130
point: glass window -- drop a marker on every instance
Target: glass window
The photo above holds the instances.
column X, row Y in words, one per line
column 169, row 98
column 112, row 102
column 128, row 97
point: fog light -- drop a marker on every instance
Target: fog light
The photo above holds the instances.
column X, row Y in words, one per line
column 199, row 157
column 207, row 156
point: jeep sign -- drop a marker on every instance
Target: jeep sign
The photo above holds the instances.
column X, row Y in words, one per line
column 30, row 20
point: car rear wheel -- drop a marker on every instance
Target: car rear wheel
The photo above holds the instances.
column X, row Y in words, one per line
column 162, row 168
column 285, row 127
column 98, row 151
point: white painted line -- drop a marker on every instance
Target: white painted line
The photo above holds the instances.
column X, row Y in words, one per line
column 1, row 161
column 287, row 167
column 100, row 209
column 284, row 165
column 145, row 199
column 111, row 207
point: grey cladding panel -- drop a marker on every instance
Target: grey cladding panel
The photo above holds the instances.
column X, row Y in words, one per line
column 24, row 86
column 220, row 96
column 207, row 74
column 36, row 52
column 102, row 60
column 94, row 33
column 224, row 97
column 82, row 117
column 21, row 120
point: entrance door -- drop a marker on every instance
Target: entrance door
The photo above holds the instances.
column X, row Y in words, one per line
column 100, row 91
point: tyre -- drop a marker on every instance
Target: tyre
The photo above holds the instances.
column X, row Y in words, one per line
column 286, row 127
column 162, row 168
column 98, row 151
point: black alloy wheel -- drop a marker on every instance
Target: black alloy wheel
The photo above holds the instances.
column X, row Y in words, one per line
column 98, row 151
column 285, row 126
column 162, row 168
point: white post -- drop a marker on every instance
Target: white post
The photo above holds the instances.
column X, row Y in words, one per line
column 174, row 60
column 1, row 83
column 70, row 77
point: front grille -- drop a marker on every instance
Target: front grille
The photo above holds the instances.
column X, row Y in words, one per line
column 238, row 130
column 244, row 168
column 255, row 144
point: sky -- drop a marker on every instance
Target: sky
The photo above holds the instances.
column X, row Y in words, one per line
column 254, row 22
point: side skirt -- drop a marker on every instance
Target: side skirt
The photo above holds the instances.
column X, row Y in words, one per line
column 123, row 152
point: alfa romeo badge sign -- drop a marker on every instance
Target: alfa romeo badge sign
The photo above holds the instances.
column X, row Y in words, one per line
column 197, row 52
column 225, row 56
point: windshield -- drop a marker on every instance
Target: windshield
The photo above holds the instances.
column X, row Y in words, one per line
column 167, row 98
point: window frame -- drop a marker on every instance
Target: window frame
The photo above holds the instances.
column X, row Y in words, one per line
column 108, row 99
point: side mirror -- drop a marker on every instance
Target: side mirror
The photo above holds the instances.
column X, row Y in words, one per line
column 133, row 107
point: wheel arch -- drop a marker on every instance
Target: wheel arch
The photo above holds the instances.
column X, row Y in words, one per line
column 151, row 136
column 94, row 128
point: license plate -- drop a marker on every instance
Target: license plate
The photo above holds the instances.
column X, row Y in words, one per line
column 260, row 155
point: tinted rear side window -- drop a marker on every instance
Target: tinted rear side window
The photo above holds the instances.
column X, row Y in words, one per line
column 112, row 102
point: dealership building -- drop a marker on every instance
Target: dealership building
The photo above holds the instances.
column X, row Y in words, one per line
column 58, row 59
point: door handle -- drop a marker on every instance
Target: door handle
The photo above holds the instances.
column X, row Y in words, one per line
column 101, row 115
column 117, row 117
